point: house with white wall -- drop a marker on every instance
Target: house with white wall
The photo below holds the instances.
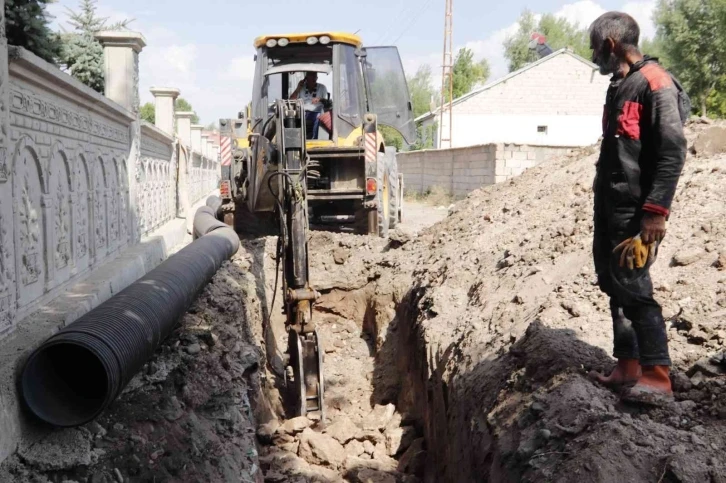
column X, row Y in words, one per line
column 555, row 101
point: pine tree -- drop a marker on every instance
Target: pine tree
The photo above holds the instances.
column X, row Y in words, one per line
column 82, row 54
column 26, row 25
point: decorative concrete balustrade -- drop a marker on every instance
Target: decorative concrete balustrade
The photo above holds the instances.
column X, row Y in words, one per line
column 82, row 178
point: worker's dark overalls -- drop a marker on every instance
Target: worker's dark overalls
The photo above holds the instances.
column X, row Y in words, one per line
column 641, row 159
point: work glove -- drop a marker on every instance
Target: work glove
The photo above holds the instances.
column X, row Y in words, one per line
column 634, row 253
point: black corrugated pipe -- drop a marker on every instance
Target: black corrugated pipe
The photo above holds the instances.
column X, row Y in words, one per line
column 215, row 203
column 79, row 371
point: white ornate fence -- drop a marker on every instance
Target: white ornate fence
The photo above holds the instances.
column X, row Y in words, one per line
column 81, row 177
column 64, row 183
column 156, row 193
column 204, row 175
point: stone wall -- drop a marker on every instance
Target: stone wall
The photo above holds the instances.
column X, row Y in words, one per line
column 462, row 170
column 81, row 177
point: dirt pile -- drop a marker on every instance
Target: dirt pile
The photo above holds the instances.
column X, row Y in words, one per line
column 504, row 320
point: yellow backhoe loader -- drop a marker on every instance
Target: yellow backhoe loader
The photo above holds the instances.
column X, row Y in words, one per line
column 318, row 165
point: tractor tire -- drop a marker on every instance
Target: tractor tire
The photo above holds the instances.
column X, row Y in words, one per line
column 400, row 197
column 394, row 180
column 383, row 197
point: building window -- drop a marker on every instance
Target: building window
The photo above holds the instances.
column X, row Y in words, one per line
column 542, row 129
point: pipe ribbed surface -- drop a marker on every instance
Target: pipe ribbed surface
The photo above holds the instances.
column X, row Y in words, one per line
column 75, row 374
column 205, row 221
column 215, row 203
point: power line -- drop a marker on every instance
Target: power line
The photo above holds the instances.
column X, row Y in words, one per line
column 396, row 20
column 413, row 20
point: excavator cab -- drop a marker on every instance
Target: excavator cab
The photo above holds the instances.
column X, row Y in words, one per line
column 367, row 88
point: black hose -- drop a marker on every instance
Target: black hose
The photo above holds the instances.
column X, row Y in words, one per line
column 74, row 375
column 215, row 203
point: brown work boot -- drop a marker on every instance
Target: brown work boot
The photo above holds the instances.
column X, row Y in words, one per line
column 625, row 374
column 653, row 387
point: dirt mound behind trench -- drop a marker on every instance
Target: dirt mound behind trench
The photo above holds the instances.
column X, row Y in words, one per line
column 504, row 320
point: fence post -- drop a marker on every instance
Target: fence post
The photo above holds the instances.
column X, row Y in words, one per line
column 121, row 51
column 164, row 98
column 184, row 133
column 205, row 145
column 197, row 138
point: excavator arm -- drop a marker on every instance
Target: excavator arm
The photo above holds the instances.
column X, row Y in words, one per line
column 287, row 184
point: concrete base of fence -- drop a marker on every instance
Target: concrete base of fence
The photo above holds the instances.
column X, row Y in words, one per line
column 17, row 427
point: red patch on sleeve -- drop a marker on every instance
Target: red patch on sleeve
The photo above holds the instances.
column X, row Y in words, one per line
column 658, row 210
column 656, row 76
column 629, row 120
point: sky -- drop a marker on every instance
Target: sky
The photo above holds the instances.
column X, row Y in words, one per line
column 205, row 48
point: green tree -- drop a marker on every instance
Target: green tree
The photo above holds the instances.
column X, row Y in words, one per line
column 423, row 96
column 559, row 33
column 654, row 47
column 467, row 73
column 184, row 106
column 26, row 25
column 694, row 42
column 148, row 112
column 392, row 137
column 420, row 86
column 82, row 54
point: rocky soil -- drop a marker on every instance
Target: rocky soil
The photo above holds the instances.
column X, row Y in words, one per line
column 455, row 353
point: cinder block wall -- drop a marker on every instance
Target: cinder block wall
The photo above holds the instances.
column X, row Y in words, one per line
column 460, row 171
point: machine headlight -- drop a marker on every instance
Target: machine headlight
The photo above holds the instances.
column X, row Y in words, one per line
column 325, row 40
column 283, row 42
column 271, row 43
column 312, row 40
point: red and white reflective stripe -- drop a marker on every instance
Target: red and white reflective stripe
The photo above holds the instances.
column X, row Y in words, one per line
column 224, row 189
column 226, row 151
column 371, row 147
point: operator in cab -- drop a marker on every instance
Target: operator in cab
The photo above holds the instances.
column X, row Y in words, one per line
column 312, row 94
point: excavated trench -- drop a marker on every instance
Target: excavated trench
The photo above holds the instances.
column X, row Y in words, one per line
column 387, row 376
column 365, row 437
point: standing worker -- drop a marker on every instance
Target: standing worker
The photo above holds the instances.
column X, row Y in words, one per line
column 641, row 158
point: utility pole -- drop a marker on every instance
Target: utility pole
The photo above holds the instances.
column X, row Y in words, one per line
column 447, row 77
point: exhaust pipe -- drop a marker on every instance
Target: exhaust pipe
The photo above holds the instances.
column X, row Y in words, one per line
column 75, row 374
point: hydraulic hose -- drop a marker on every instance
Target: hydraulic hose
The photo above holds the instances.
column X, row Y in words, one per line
column 75, row 374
